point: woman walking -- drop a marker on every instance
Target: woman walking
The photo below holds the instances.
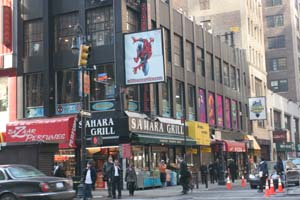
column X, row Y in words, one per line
column 131, row 179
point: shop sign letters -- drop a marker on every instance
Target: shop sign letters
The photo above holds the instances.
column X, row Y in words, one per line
column 148, row 126
column 102, row 127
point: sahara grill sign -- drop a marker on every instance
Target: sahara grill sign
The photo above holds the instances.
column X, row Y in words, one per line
column 141, row 125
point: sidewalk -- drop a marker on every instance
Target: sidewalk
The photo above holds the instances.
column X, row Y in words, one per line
column 170, row 191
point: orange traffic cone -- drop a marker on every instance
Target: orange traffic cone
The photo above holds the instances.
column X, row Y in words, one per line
column 228, row 184
column 243, row 182
column 267, row 190
column 272, row 191
column 280, row 189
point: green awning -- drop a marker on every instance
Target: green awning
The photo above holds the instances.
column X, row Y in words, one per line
column 145, row 138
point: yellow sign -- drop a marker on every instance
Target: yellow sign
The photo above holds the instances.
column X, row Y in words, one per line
column 205, row 150
column 200, row 132
column 1, row 137
column 235, row 29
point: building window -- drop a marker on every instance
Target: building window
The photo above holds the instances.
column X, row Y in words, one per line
column 298, row 44
column 34, row 90
column 226, row 74
column 276, row 42
column 33, row 38
column 68, row 86
column 275, row 21
column 297, row 23
column 167, row 98
column 132, row 96
column 192, row 103
column 238, row 78
column 178, row 60
column 132, row 21
column 276, row 64
column 167, row 44
column 99, row 24
column 232, row 78
column 204, row 4
column 200, row 61
column 189, row 57
column 279, row 85
column 209, row 65
column 4, row 94
column 218, row 68
column 179, row 99
column 64, row 31
column 287, row 122
column 258, row 87
column 270, row 3
column 277, row 119
column 297, row 139
column 102, row 82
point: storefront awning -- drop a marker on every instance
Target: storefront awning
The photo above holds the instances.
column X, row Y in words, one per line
column 254, row 144
column 57, row 130
column 233, row 146
column 145, row 138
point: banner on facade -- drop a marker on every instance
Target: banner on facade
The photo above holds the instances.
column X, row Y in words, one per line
column 257, row 108
column 279, row 136
column 200, row 132
column 144, row 61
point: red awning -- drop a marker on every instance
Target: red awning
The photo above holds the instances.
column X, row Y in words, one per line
column 233, row 146
column 57, row 130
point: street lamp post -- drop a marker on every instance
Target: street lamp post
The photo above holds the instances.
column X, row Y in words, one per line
column 78, row 45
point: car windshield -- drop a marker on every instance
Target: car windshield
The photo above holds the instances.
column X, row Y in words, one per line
column 24, row 172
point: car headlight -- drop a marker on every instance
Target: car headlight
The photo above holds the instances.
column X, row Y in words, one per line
column 251, row 176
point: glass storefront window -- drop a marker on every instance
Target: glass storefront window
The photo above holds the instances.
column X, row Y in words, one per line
column 33, row 38
column 68, row 86
column 3, row 94
column 103, row 82
column 132, row 96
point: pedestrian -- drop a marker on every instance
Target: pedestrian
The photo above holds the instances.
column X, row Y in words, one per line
column 116, row 179
column 232, row 170
column 211, row 173
column 131, row 179
column 107, row 174
column 184, row 175
column 215, row 169
column 163, row 174
column 204, row 174
column 89, row 180
column 279, row 166
column 263, row 174
column 59, row 171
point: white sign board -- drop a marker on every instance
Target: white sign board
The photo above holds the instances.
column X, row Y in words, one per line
column 257, row 108
column 144, row 61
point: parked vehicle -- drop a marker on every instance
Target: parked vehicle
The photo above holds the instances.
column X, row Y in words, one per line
column 291, row 175
column 18, row 182
column 296, row 161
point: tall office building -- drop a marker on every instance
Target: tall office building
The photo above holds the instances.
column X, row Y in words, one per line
column 244, row 20
column 282, row 40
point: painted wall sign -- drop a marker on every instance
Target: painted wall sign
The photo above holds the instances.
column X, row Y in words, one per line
column 32, row 112
column 103, row 106
column 141, row 125
column 70, row 108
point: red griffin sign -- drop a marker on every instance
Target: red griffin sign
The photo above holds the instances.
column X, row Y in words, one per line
column 57, row 130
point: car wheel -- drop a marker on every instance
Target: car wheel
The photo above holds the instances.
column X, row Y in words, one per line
column 253, row 186
column 8, row 197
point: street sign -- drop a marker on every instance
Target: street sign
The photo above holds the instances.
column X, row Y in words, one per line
column 85, row 113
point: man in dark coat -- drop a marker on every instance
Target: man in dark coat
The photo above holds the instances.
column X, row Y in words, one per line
column 211, row 172
column 204, row 174
column 107, row 174
column 89, row 180
column 184, row 175
column 279, row 166
column 263, row 173
column 116, row 179
column 233, row 170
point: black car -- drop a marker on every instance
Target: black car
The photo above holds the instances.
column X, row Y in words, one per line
column 18, row 182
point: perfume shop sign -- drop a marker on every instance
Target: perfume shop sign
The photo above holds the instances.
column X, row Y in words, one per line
column 141, row 125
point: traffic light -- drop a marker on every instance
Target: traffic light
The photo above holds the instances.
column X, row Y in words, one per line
column 83, row 55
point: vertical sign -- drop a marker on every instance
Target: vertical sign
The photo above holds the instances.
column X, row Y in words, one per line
column 202, row 106
column 220, row 121
column 227, row 113
column 6, row 26
column 257, row 108
column 234, row 114
column 211, row 108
